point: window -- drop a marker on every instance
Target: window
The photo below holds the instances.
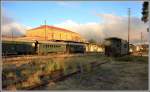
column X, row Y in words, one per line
column 60, row 36
column 125, row 45
column 44, row 46
column 118, row 45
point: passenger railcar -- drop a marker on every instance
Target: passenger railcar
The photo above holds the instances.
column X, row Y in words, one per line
column 17, row 47
column 75, row 48
column 42, row 47
column 51, row 47
column 116, row 47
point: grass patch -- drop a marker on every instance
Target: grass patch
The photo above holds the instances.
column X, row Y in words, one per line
column 124, row 58
column 31, row 72
column 131, row 59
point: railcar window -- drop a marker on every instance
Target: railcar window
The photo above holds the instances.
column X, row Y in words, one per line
column 125, row 45
column 117, row 45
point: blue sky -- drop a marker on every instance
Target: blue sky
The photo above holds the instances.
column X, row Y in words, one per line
column 33, row 13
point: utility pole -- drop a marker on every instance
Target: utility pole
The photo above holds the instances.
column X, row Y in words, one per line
column 141, row 48
column 141, row 38
column 12, row 34
column 45, row 29
column 128, row 28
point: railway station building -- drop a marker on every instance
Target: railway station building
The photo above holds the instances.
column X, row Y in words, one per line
column 52, row 33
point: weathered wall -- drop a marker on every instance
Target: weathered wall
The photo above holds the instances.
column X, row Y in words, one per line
column 54, row 34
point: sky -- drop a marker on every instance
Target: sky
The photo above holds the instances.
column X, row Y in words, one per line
column 92, row 19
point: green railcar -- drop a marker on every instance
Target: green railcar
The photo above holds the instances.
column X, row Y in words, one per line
column 75, row 48
column 51, row 47
column 40, row 47
column 17, row 47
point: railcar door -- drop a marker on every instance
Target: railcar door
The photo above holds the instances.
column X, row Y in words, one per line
column 107, row 50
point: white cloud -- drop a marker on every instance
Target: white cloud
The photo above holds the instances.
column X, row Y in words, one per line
column 88, row 30
column 112, row 26
column 9, row 25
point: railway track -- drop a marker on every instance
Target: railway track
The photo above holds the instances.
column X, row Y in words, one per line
column 16, row 59
column 61, row 78
column 50, row 54
column 93, row 64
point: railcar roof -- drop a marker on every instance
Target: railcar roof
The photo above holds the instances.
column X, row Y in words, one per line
column 113, row 38
column 51, row 42
column 16, row 41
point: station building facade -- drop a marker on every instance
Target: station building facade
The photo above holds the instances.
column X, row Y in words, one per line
column 51, row 33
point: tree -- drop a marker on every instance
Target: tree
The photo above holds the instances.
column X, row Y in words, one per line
column 145, row 11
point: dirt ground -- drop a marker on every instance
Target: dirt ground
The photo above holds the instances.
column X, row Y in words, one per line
column 115, row 75
column 123, row 73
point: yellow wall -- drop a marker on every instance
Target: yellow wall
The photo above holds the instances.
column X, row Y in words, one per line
column 54, row 34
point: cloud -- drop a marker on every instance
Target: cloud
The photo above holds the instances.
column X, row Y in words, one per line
column 9, row 25
column 111, row 26
column 87, row 30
